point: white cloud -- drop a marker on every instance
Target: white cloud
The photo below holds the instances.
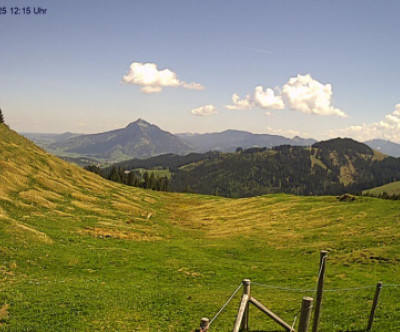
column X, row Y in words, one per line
column 388, row 128
column 240, row 104
column 301, row 93
column 267, row 99
column 393, row 118
column 204, row 110
column 264, row 99
column 152, row 80
column 151, row 89
column 304, row 94
column 287, row 133
column 192, row 86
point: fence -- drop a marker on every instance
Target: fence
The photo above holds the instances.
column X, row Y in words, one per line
column 305, row 312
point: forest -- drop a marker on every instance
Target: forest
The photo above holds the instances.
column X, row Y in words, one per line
column 326, row 168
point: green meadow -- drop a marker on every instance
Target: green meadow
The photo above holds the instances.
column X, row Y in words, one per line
column 79, row 253
column 390, row 189
column 156, row 172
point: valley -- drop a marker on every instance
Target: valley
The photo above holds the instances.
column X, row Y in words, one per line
column 82, row 253
column 164, row 164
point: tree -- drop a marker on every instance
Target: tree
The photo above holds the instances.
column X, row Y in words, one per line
column 1, row 116
column 152, row 182
column 114, row 175
column 131, row 179
column 146, row 182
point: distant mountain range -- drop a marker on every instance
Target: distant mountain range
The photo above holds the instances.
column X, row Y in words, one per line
column 141, row 140
column 45, row 140
column 230, row 140
column 386, row 147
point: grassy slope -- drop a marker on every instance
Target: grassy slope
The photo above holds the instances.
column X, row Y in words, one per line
column 390, row 188
column 80, row 253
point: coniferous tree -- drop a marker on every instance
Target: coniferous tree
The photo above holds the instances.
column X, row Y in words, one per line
column 114, row 175
column 122, row 176
column 131, row 179
column 1, row 116
column 146, row 182
column 152, row 182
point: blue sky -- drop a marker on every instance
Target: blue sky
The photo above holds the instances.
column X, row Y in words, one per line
column 323, row 68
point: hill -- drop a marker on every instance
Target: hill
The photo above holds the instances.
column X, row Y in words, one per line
column 139, row 139
column 330, row 167
column 230, row 140
column 389, row 189
column 79, row 253
column 44, row 140
column 384, row 146
column 166, row 161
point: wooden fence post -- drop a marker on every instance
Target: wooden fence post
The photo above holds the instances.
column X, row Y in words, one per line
column 305, row 314
column 318, row 302
column 273, row 316
column 239, row 318
column 204, row 324
column 246, row 291
column 374, row 305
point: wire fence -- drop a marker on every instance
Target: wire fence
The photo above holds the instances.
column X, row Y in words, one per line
column 343, row 308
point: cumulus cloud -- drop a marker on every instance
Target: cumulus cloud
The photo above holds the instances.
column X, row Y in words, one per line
column 304, row 94
column 240, row 104
column 264, row 99
column 301, row 93
column 152, row 80
column 287, row 133
column 204, row 110
column 394, row 117
column 192, row 86
column 397, row 110
column 388, row 128
column 151, row 89
column 267, row 99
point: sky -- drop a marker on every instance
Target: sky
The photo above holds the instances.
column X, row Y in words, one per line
column 317, row 69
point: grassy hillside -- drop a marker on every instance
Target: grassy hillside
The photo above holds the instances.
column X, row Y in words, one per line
column 390, row 189
column 79, row 253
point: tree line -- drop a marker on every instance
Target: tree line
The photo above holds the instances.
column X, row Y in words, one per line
column 327, row 168
column 1, row 116
column 147, row 180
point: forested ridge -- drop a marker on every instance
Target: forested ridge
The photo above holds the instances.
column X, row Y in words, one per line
column 326, row 168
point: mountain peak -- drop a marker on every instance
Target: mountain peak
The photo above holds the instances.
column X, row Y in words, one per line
column 139, row 122
column 139, row 139
column 347, row 145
